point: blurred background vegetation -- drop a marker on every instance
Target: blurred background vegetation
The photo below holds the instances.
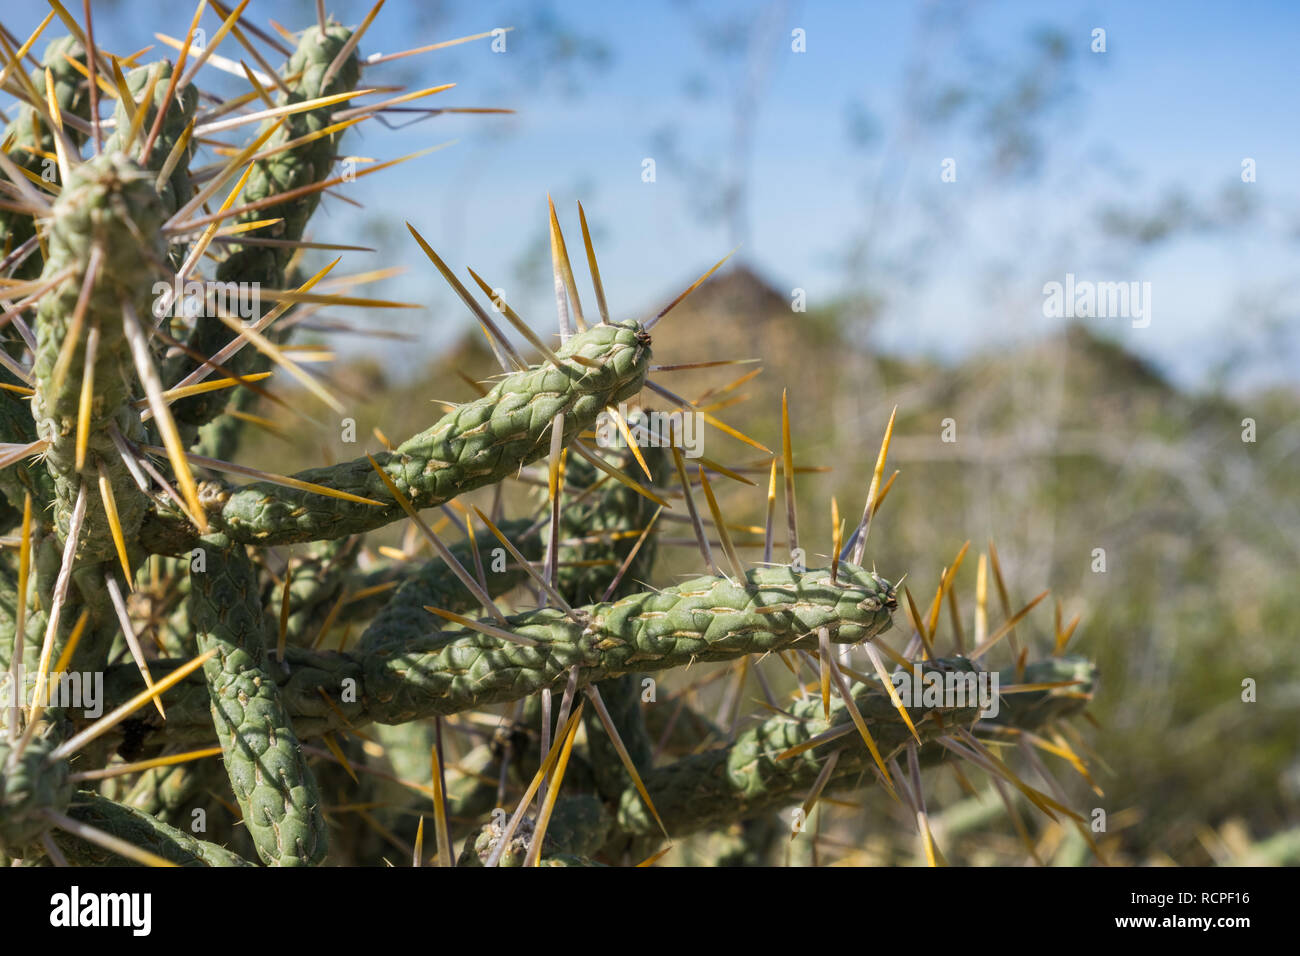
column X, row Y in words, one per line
column 1070, row 437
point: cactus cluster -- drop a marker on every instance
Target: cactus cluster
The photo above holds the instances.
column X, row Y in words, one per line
column 273, row 686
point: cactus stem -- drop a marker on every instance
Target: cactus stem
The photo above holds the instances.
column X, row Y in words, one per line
column 482, row 627
column 106, row 840
column 287, row 481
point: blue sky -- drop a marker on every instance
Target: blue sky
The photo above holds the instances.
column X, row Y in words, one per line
column 1182, row 94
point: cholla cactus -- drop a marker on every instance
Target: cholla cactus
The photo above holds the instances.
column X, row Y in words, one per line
column 204, row 605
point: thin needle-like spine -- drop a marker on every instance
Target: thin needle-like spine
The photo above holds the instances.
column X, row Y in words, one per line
column 593, row 267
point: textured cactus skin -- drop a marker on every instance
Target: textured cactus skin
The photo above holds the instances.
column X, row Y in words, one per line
column 456, row 669
column 745, row 779
column 275, row 787
column 479, row 443
column 162, row 792
column 706, row 619
column 410, row 673
column 140, row 829
column 109, row 203
column 26, row 788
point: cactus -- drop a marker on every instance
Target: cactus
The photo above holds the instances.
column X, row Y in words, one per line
column 246, row 631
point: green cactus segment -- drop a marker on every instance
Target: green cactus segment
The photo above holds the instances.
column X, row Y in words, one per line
column 745, row 779
column 264, row 266
column 266, row 766
column 163, row 792
column 733, row 783
column 1078, row 677
column 29, row 786
column 702, row 620
column 433, row 584
column 477, row 444
column 178, row 115
column 140, row 829
column 31, row 141
column 108, row 203
column 577, row 828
